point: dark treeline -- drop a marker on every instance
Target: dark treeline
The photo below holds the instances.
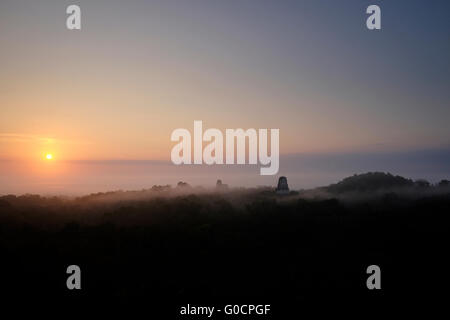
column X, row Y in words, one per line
column 187, row 245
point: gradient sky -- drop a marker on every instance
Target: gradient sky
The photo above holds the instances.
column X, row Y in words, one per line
column 140, row 69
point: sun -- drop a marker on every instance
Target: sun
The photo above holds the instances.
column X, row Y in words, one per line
column 49, row 156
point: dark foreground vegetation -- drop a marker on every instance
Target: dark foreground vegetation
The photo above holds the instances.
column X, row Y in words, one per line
column 170, row 246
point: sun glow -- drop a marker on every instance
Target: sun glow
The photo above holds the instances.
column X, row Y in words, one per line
column 49, row 156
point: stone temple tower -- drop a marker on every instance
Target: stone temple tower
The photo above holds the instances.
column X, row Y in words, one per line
column 282, row 187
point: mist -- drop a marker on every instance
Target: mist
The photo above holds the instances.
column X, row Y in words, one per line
column 304, row 171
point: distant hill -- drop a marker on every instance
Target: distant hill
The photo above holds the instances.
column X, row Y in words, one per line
column 371, row 181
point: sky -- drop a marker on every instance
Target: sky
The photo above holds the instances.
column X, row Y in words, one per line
column 112, row 92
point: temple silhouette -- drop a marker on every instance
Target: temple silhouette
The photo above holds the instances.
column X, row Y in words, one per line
column 282, row 187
